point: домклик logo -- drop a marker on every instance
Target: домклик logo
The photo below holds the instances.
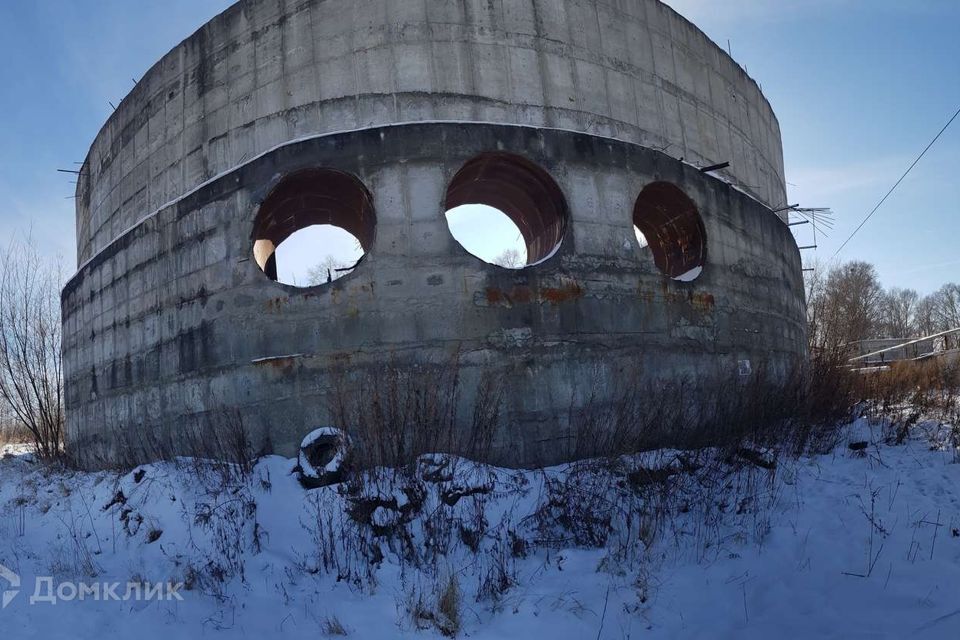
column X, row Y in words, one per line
column 14, row 580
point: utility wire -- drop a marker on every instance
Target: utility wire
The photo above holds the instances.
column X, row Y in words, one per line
column 894, row 187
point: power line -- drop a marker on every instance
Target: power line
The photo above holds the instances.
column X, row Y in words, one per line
column 894, row 187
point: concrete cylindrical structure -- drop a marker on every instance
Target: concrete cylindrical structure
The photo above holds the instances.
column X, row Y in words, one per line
column 581, row 119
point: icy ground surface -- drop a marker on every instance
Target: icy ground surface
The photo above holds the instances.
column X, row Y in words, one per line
column 848, row 545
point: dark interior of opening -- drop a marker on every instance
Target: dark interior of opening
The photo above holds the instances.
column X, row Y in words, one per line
column 322, row 451
column 521, row 190
column 312, row 197
column 672, row 226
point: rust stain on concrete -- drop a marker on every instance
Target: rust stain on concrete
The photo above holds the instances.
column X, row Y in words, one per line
column 522, row 294
column 281, row 364
column 494, row 296
column 702, row 301
column 276, row 304
column 569, row 291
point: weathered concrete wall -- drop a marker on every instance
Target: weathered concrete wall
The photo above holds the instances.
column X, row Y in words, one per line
column 173, row 320
column 169, row 319
column 269, row 71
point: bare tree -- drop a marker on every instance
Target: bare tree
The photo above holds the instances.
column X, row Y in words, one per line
column 331, row 268
column 8, row 426
column 31, row 373
column 925, row 315
column 898, row 313
column 510, row 259
column 815, row 282
column 325, row 271
column 844, row 305
column 946, row 307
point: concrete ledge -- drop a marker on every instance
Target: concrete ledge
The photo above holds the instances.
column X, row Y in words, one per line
column 174, row 319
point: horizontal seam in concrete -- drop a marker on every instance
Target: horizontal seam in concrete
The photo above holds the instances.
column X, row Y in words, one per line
column 275, row 358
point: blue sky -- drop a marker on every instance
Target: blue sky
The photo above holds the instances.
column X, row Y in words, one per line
column 64, row 62
column 859, row 86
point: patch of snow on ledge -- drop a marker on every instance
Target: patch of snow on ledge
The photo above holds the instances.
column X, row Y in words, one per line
column 689, row 276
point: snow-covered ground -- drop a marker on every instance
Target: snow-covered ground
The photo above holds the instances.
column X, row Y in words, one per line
column 852, row 544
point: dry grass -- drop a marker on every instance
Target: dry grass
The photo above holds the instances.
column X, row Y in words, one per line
column 12, row 433
column 929, row 384
column 397, row 413
column 799, row 414
column 439, row 609
column 733, row 441
column 332, row 627
column 219, row 444
column 906, row 393
column 448, row 607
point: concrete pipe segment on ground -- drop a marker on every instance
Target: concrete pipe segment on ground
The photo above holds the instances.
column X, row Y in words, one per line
column 582, row 120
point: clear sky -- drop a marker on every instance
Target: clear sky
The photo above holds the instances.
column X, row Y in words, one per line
column 859, row 86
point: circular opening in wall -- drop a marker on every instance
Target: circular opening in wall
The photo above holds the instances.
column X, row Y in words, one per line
column 506, row 210
column 314, row 227
column 667, row 223
column 489, row 234
column 317, row 254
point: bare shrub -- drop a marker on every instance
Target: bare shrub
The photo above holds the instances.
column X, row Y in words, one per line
column 74, row 554
column 219, row 445
column 448, row 607
column 628, row 494
column 906, row 393
column 397, row 412
column 828, row 399
column 331, row 626
column 31, row 368
column 500, row 574
column 446, row 511
column 13, row 432
column 439, row 608
column 218, row 459
column 687, row 500
column 798, row 413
